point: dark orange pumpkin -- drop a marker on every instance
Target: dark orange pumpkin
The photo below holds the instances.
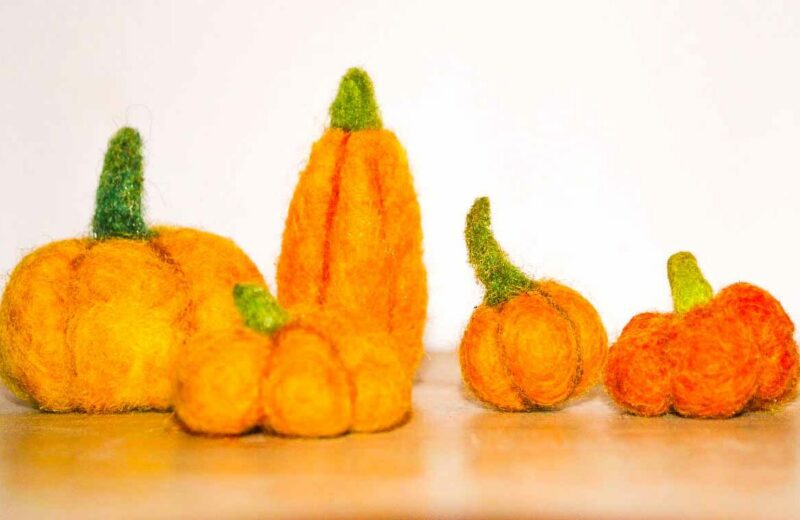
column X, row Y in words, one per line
column 715, row 356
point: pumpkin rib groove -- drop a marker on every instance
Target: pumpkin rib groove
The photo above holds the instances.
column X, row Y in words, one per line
column 353, row 239
column 390, row 268
column 573, row 327
column 330, row 215
column 529, row 403
column 541, row 334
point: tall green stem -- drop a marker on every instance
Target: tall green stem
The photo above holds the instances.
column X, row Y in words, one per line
column 689, row 286
column 499, row 276
column 259, row 309
column 355, row 107
column 118, row 210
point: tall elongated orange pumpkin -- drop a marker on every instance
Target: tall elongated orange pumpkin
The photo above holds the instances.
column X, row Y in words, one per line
column 94, row 324
column 353, row 240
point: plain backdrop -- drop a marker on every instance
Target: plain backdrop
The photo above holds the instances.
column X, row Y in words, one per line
column 607, row 134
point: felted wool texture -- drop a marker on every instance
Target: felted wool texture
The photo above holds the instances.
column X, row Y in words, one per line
column 530, row 344
column 353, row 241
column 94, row 324
column 212, row 264
column 322, row 377
column 355, row 107
column 716, row 356
column 218, row 381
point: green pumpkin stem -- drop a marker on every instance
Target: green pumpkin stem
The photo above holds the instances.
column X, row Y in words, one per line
column 355, row 107
column 689, row 286
column 499, row 276
column 118, row 210
column 259, row 309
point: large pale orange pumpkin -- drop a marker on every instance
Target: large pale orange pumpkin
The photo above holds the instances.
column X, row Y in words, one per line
column 94, row 324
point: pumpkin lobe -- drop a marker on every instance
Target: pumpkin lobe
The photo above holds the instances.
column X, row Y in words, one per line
column 483, row 363
column 637, row 374
column 713, row 364
column 771, row 329
column 540, row 349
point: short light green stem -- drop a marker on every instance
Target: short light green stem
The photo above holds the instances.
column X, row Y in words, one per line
column 259, row 309
column 499, row 276
column 689, row 286
column 355, row 107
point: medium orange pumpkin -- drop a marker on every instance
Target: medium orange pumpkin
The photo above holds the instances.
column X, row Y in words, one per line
column 301, row 372
column 530, row 344
column 353, row 241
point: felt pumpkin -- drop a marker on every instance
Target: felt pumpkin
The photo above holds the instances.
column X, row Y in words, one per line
column 714, row 356
column 93, row 324
column 353, row 241
column 301, row 372
column 530, row 344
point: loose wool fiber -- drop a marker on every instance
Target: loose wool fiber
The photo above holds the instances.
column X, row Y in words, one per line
column 716, row 356
column 94, row 324
column 353, row 238
column 530, row 344
column 318, row 376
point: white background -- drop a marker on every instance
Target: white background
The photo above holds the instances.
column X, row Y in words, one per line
column 608, row 135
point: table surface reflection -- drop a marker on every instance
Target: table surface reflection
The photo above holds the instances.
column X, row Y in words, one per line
column 454, row 458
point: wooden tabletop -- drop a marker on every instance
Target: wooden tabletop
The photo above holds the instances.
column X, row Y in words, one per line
column 454, row 458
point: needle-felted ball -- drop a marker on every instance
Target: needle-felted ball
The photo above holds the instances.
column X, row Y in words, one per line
column 353, row 238
column 714, row 356
column 301, row 372
column 93, row 324
column 530, row 344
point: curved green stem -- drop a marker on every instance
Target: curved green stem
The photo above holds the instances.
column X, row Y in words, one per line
column 355, row 107
column 259, row 309
column 118, row 210
column 495, row 271
column 689, row 286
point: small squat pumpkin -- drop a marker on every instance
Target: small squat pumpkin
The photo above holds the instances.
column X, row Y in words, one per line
column 714, row 356
column 301, row 372
column 530, row 344
column 93, row 324
column 353, row 238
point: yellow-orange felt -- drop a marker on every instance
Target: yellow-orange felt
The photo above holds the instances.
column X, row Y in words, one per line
column 95, row 325
column 306, row 391
column 211, row 265
column 218, row 381
column 316, row 376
